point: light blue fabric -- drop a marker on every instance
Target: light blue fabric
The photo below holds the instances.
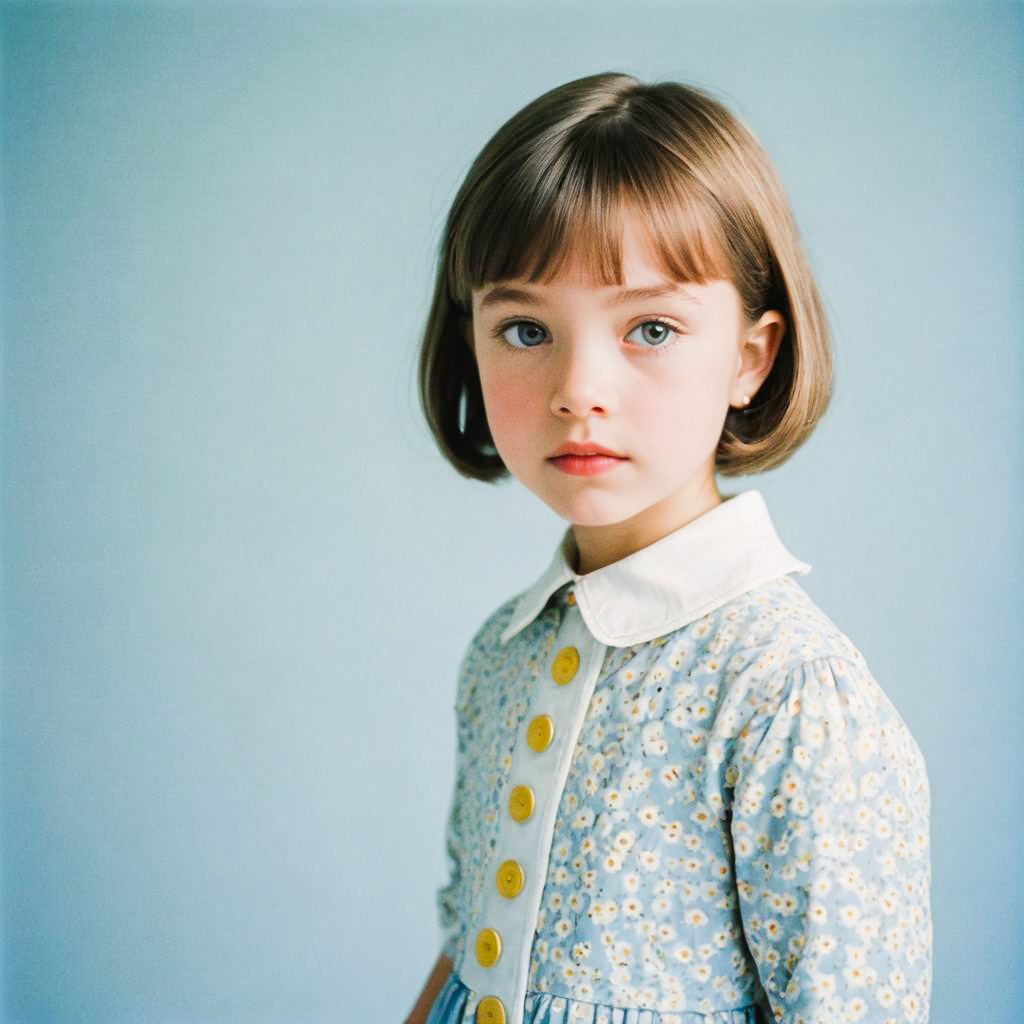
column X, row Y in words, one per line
column 743, row 833
column 449, row 1007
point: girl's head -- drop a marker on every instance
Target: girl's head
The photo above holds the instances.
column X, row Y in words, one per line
column 601, row 184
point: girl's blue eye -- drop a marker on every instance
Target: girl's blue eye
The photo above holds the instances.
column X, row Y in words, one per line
column 531, row 331
column 526, row 334
column 662, row 333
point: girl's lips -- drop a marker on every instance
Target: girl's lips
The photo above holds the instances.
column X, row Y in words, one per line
column 586, row 465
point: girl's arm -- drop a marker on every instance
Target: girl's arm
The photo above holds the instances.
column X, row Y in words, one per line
column 434, row 984
column 830, row 828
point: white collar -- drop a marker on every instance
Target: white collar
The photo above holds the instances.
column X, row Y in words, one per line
column 692, row 571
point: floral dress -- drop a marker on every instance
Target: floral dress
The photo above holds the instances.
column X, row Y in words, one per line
column 681, row 797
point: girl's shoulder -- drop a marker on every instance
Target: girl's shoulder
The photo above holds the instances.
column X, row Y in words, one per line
column 487, row 635
column 485, row 642
column 782, row 617
column 791, row 657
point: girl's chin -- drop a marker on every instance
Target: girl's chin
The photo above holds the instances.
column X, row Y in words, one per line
column 595, row 513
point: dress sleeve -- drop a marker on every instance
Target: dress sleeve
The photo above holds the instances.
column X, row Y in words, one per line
column 449, row 895
column 829, row 823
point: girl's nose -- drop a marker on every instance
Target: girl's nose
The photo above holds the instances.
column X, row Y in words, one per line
column 583, row 385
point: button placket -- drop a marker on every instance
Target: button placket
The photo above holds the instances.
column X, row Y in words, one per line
column 541, row 759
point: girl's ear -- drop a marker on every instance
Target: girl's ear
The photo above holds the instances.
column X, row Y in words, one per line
column 760, row 347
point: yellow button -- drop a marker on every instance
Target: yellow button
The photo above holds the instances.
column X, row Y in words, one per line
column 510, row 879
column 520, row 803
column 490, row 1010
column 566, row 665
column 488, row 947
column 540, row 732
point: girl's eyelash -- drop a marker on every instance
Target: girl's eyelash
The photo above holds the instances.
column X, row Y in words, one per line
column 655, row 349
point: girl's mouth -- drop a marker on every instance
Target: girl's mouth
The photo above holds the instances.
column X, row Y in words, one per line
column 586, row 465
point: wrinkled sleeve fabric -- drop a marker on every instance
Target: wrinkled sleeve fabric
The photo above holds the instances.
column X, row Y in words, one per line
column 829, row 824
column 447, row 895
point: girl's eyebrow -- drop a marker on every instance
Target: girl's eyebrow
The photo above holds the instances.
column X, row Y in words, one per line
column 505, row 293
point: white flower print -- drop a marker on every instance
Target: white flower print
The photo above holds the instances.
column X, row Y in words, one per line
column 612, row 798
column 802, row 755
column 703, row 817
column 679, row 716
column 653, row 742
column 715, row 752
column 701, row 709
column 604, row 911
column 744, row 846
column 626, row 676
column 624, row 840
column 856, row 1009
column 649, row 815
column 613, row 861
column 885, row 996
column 889, row 901
column 753, row 797
column 684, row 954
column 657, row 674
column 870, row 783
column 584, row 818
column 649, row 860
column 632, row 907
column 911, row 1006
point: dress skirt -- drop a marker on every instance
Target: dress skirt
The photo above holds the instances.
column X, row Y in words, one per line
column 544, row 1008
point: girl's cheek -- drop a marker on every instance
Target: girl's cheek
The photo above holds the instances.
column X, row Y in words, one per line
column 509, row 406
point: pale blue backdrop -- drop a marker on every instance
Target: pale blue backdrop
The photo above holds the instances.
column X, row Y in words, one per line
column 238, row 577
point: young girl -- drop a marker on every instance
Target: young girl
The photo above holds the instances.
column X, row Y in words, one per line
column 681, row 795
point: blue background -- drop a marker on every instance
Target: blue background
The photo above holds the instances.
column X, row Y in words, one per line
column 238, row 577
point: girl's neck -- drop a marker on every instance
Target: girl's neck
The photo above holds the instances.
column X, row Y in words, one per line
column 598, row 546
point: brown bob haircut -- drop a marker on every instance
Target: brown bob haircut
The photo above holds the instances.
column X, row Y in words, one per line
column 554, row 180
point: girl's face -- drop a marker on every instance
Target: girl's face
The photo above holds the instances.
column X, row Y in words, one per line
column 648, row 378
